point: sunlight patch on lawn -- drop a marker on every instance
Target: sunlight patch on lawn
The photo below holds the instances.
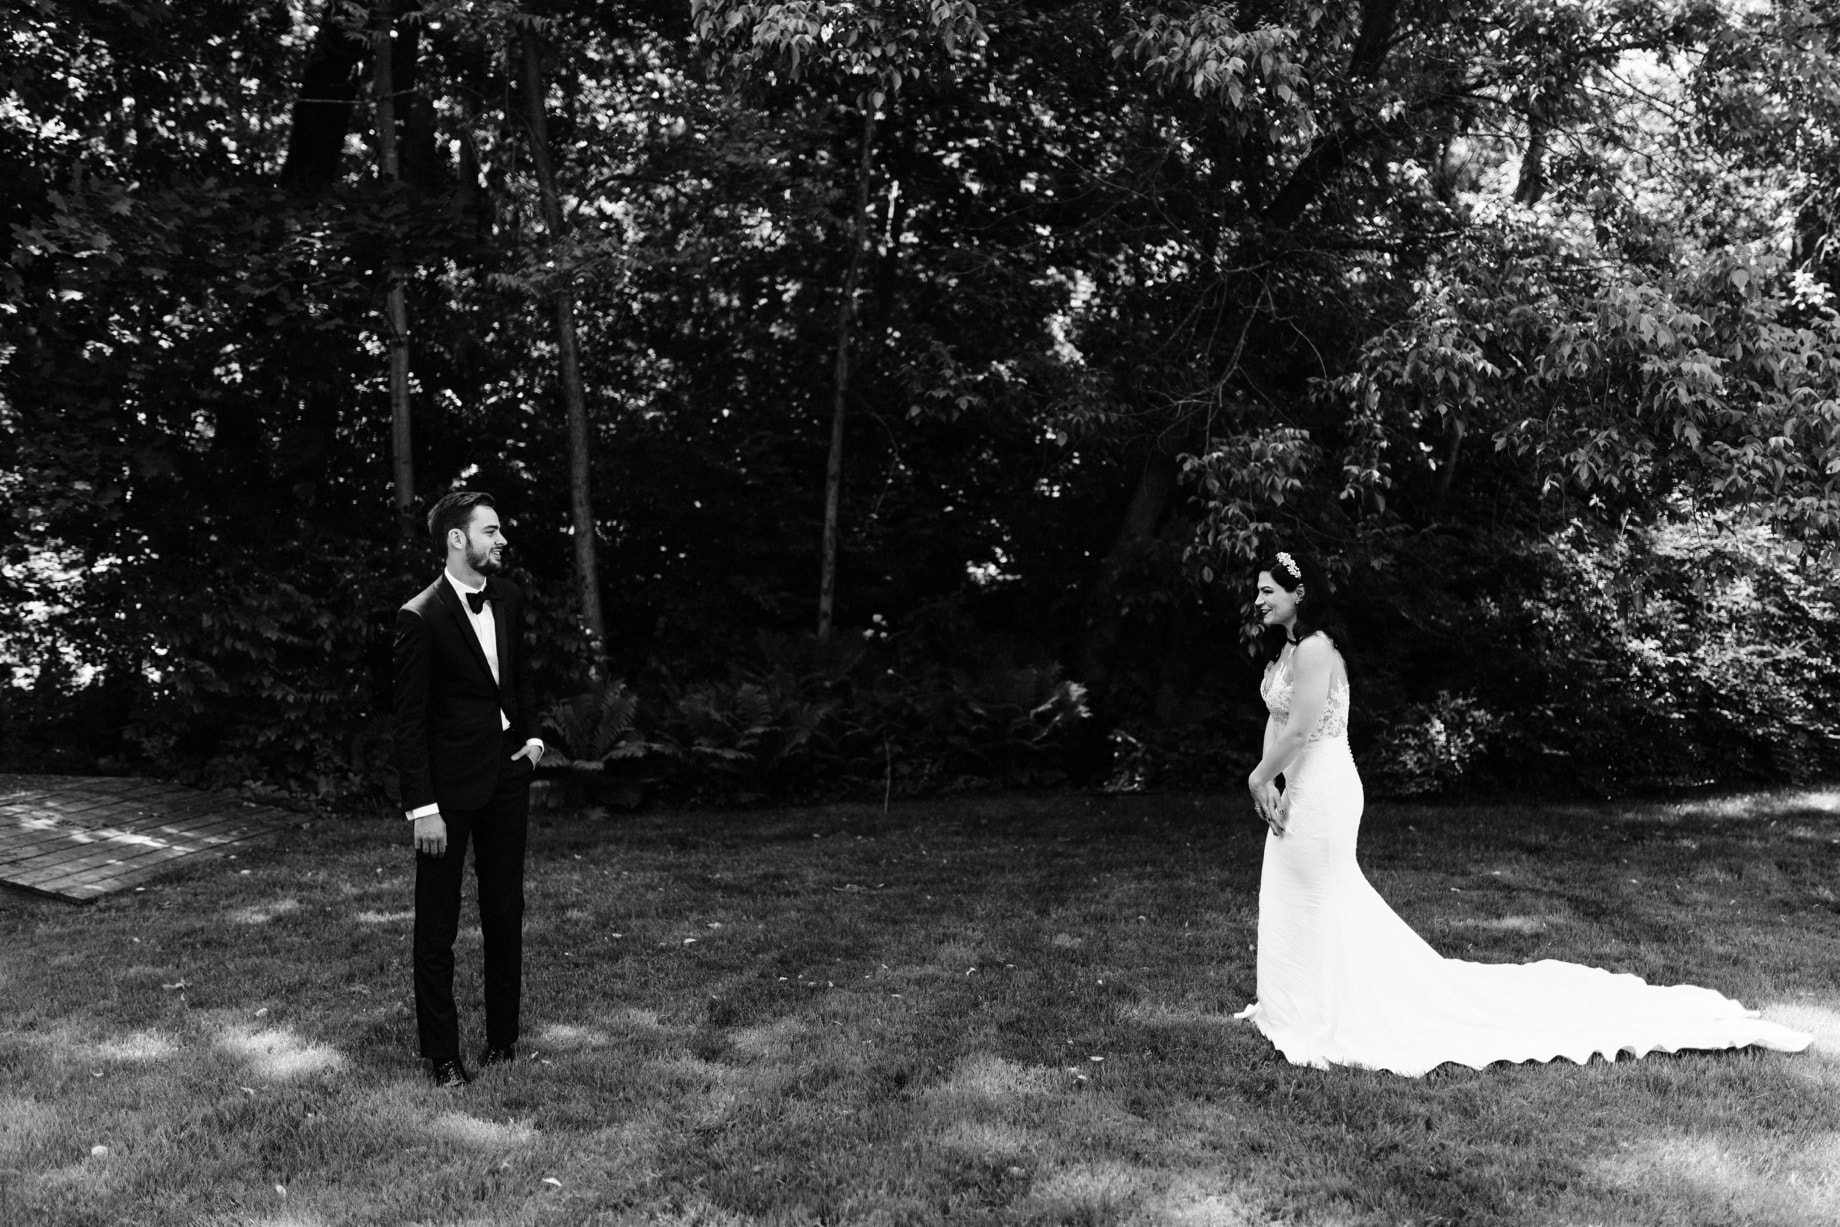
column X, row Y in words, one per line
column 988, row 1140
column 1760, row 805
column 683, row 1068
column 1500, row 924
column 714, row 1102
column 1200, row 1129
column 991, row 1077
column 138, row 1046
column 643, row 1021
column 262, row 913
column 1758, row 1180
column 97, row 1178
column 621, row 1026
column 1820, row 1021
column 484, row 1134
column 770, row 1041
column 21, row 1121
column 1087, row 1192
column 1158, row 1014
column 399, row 887
column 383, row 918
column 699, row 1214
column 567, row 1037
column 630, row 1149
column 277, row 1052
column 1194, row 1203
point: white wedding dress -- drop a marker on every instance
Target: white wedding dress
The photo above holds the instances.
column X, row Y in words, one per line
column 1342, row 980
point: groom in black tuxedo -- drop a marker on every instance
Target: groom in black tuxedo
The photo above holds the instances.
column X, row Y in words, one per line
column 464, row 715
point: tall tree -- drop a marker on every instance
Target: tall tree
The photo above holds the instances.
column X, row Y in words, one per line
column 322, row 108
column 866, row 52
column 402, row 454
column 586, row 533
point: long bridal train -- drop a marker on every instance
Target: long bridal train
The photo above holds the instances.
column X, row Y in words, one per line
column 1342, row 980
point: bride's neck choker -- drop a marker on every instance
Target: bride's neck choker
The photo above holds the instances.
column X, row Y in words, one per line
column 1290, row 637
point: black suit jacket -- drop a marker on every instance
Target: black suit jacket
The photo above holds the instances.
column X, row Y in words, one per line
column 449, row 741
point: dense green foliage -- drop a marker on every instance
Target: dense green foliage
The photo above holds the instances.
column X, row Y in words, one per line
column 1521, row 311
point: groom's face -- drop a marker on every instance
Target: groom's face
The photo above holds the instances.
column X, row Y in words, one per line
column 485, row 542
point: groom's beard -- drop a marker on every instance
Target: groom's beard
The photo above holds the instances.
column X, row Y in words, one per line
column 485, row 561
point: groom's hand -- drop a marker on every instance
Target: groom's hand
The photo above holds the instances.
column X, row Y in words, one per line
column 533, row 750
column 431, row 835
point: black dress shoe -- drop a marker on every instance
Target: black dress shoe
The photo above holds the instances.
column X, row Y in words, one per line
column 450, row 1074
column 498, row 1056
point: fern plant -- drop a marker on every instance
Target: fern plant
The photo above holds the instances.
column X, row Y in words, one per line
column 590, row 731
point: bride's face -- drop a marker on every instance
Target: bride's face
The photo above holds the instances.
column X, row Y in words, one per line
column 1276, row 605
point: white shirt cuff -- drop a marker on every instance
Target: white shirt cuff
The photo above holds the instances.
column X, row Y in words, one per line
column 429, row 810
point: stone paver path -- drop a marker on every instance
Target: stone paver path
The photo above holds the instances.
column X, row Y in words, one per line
column 77, row 838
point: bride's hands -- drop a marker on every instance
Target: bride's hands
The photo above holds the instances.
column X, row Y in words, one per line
column 1270, row 804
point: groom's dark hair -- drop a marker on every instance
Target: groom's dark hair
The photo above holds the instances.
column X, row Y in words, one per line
column 454, row 511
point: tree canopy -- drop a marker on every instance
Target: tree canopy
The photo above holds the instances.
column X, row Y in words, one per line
column 1023, row 329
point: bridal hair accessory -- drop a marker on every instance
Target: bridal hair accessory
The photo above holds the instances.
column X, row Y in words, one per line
column 1289, row 564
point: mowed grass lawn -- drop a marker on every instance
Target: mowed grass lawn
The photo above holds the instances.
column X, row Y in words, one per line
column 991, row 1010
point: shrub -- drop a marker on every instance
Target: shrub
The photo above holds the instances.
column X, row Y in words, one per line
column 810, row 721
column 1678, row 655
column 1429, row 747
column 593, row 741
column 1003, row 724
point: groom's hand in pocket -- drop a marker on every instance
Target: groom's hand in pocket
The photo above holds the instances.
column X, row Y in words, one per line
column 431, row 835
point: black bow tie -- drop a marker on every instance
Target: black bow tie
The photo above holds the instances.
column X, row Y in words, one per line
column 476, row 601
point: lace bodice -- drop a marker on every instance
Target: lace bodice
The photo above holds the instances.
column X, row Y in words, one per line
column 1276, row 691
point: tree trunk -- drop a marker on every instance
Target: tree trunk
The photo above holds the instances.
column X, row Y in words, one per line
column 1451, row 456
column 423, row 166
column 322, row 112
column 581, row 504
column 1157, row 478
column 840, row 382
column 396, row 307
column 1330, row 152
column 1532, row 185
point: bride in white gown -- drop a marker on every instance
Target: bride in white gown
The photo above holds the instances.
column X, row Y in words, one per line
column 1342, row 980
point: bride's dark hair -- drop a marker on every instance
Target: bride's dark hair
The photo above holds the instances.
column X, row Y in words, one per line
column 1316, row 610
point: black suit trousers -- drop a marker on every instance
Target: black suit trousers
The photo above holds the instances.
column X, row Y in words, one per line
column 497, row 832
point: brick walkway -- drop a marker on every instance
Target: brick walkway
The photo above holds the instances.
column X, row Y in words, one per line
column 77, row 838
